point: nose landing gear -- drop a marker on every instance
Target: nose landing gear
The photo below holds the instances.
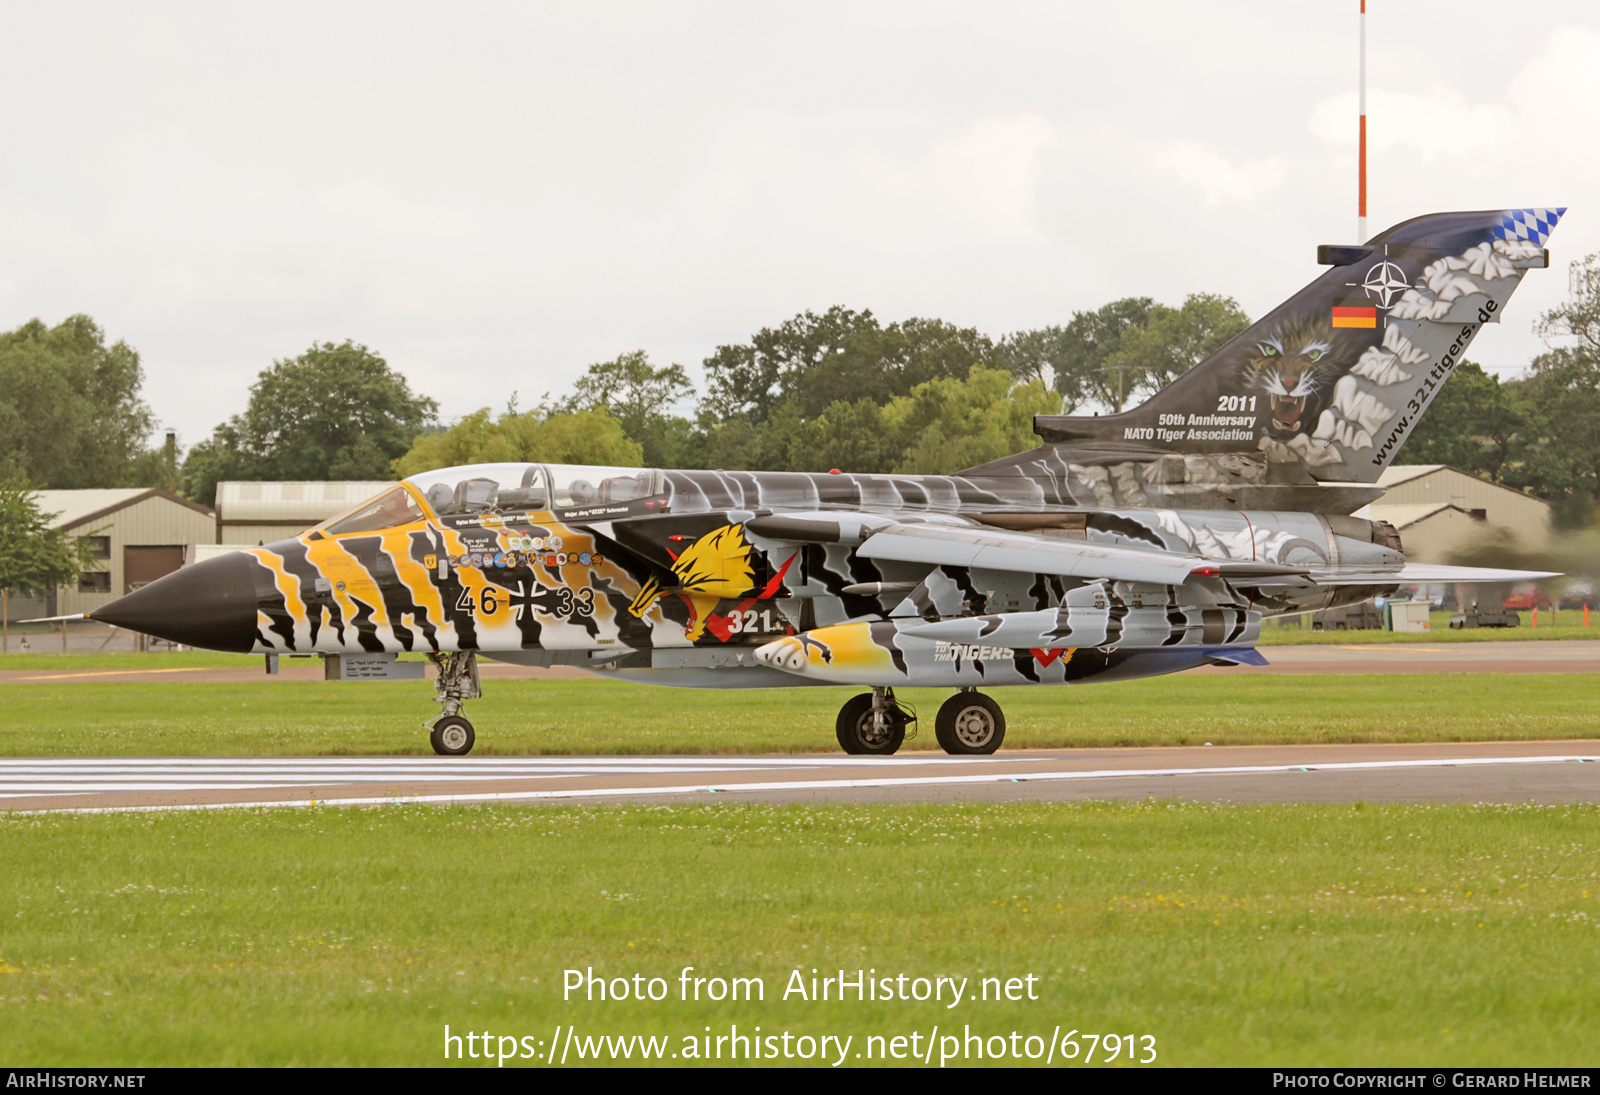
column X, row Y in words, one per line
column 452, row 734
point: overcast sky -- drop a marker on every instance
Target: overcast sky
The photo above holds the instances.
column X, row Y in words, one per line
column 494, row 196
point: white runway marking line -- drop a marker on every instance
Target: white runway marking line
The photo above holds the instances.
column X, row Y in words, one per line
column 849, row 784
column 33, row 776
column 432, row 764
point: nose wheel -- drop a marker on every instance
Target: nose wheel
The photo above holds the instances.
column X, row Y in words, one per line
column 452, row 736
column 969, row 724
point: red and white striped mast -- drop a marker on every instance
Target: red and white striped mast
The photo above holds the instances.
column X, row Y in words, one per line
column 1361, row 154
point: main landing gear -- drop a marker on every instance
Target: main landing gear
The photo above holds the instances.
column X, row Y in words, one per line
column 969, row 723
column 457, row 681
column 873, row 723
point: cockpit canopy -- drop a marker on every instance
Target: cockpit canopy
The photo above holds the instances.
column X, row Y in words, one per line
column 501, row 489
column 519, row 488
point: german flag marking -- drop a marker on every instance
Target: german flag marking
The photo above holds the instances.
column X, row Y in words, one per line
column 1354, row 317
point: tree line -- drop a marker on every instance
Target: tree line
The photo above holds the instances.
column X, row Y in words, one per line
column 836, row 389
column 843, row 389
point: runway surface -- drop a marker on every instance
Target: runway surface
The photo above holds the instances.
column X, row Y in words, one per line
column 1528, row 656
column 1531, row 656
column 1566, row 771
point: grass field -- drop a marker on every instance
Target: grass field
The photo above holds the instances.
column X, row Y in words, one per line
column 269, row 717
column 1232, row 935
column 1282, row 935
column 1567, row 624
column 185, row 659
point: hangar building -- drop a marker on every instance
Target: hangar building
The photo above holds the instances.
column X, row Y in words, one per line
column 1440, row 510
column 135, row 534
column 259, row 513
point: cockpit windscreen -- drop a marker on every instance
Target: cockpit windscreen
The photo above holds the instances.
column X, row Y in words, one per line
column 388, row 510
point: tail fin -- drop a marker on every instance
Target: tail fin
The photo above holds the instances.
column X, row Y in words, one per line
column 1334, row 379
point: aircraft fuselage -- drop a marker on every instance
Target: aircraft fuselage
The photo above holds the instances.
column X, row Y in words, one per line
column 677, row 572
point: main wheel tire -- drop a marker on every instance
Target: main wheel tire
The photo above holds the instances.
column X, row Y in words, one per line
column 452, row 736
column 857, row 734
column 969, row 724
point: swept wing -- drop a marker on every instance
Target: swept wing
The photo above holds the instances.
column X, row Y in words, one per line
column 1033, row 553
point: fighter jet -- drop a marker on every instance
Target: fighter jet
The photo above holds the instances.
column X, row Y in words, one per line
column 1126, row 545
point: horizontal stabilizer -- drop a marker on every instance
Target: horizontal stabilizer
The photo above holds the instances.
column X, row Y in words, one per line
column 1414, row 574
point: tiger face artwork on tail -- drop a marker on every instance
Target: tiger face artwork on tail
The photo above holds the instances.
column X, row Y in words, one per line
column 1296, row 365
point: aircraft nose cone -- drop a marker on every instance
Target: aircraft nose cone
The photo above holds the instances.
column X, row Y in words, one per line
column 210, row 604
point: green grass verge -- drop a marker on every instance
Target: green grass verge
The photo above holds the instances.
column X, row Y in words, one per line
column 185, row 659
column 595, row 716
column 1272, row 935
column 1568, row 624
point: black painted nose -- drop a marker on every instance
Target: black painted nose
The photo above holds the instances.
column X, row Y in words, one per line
column 210, row 604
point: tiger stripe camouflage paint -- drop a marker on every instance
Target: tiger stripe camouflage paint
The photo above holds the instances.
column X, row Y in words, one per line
column 1127, row 544
column 886, row 652
column 705, row 565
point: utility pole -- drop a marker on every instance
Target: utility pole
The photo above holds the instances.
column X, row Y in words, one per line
column 1361, row 154
column 170, row 453
column 1121, row 371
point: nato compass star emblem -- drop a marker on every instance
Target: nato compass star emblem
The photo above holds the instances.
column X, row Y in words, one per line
column 1385, row 281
